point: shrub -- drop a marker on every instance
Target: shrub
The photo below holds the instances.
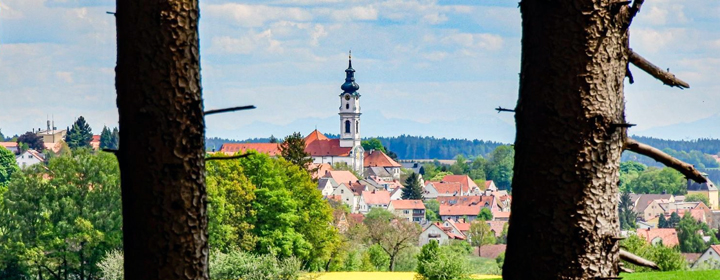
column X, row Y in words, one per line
column 435, row 263
column 247, row 266
column 111, row 266
column 407, row 260
column 666, row 258
column 379, row 258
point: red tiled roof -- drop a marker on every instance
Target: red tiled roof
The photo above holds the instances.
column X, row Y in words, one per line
column 499, row 214
column 715, row 248
column 488, row 183
column 376, row 197
column 378, row 158
column 491, row 251
column 358, row 218
column 328, row 147
column 668, row 235
column 272, row 149
column 497, row 226
column 407, row 204
column 462, row 179
column 315, row 135
column 342, row 177
column 96, row 138
column 55, row 147
column 449, row 188
column 466, row 200
column 8, row 145
column 460, row 210
column 319, row 169
column 462, row 227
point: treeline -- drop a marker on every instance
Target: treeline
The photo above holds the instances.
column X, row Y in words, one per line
column 694, row 157
column 707, row 146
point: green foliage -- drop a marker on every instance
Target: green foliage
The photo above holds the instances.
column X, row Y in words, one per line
column 8, row 166
column 499, row 167
column 500, row 259
column 2, row 136
column 432, row 210
column 485, row 214
column 662, row 222
column 393, row 235
column 379, row 214
column 378, row 257
column 413, row 189
column 111, row 266
column 373, row 144
column 656, row 181
column 626, row 213
column 109, row 139
column 697, row 197
column 503, row 235
column 406, row 260
column 272, row 139
column 460, row 166
column 30, row 141
column 440, row 175
column 291, row 217
column 690, row 240
column 79, row 135
column 293, row 150
column 673, row 275
column 435, row 263
column 666, row 258
column 238, row 264
column 480, row 234
column 416, row 147
column 477, row 169
column 230, row 197
column 69, row 211
column 629, row 171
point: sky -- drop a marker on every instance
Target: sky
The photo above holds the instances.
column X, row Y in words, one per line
column 430, row 68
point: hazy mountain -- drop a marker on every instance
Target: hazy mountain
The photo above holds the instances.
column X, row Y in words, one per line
column 703, row 128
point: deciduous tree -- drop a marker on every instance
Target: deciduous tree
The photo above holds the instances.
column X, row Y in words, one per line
column 8, row 166
column 32, row 141
column 485, row 214
column 392, row 234
column 480, row 234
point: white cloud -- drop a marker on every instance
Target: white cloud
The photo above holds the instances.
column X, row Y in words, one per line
column 475, row 41
column 647, row 40
column 248, row 44
column 656, row 16
column 6, row 12
column 256, row 15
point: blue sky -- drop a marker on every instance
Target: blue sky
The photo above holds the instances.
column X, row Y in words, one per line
column 424, row 67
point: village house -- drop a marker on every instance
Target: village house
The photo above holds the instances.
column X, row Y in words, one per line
column 11, row 146
column 464, row 207
column 29, row 158
column 668, row 236
column 710, row 259
column 458, row 227
column 380, row 165
column 707, row 189
column 439, row 233
column 373, row 199
column 411, row 210
column 642, row 201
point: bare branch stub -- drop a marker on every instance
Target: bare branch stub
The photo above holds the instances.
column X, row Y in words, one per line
column 501, row 109
column 227, row 158
column 231, row 109
column 662, row 75
column 636, row 260
column 686, row 169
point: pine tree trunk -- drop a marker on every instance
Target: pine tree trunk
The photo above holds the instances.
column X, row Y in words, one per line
column 567, row 151
column 161, row 154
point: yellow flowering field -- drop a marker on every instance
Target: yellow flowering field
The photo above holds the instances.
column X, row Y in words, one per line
column 378, row 276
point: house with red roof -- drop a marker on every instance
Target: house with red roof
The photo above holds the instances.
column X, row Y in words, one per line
column 459, row 227
column 464, row 207
column 380, row 165
column 668, row 236
column 12, row 146
column 411, row 210
column 710, row 259
column 95, row 142
column 373, row 199
column 439, row 233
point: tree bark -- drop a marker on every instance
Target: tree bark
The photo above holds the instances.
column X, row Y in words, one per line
column 567, row 148
column 161, row 154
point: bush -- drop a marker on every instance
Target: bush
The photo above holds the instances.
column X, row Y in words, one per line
column 435, row 263
column 248, row 266
column 407, row 260
column 666, row 258
column 112, row 266
column 379, row 259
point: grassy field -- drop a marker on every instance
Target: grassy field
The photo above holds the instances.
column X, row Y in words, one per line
column 669, row 275
column 382, row 276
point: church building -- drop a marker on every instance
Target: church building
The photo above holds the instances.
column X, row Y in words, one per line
column 347, row 149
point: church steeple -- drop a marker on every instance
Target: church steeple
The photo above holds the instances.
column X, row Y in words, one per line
column 350, row 109
column 350, row 86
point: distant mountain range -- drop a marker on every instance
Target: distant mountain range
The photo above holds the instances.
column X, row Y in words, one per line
column 703, row 128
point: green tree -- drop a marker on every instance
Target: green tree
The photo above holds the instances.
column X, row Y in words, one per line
column 656, row 181
column 662, row 222
column 690, row 240
column 499, row 167
column 393, row 235
column 432, row 210
column 109, row 138
column 413, row 189
column 460, row 166
column 2, row 136
column 480, row 234
column 291, row 217
column 673, row 221
column 32, row 141
column 64, row 218
column 666, row 258
column 79, row 135
column 626, row 213
column 441, row 263
column 698, row 197
column 373, row 144
column 8, row 166
column 293, row 150
column 485, row 214
column 230, row 197
column 380, row 260
column 629, row 171
column 477, row 169
column 272, row 139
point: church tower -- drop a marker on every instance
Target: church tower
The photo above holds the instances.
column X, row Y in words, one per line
column 350, row 109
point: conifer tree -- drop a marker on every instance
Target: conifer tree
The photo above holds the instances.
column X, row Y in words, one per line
column 106, row 139
column 413, row 189
column 79, row 135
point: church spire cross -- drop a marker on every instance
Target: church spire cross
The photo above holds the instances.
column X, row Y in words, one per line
column 350, row 86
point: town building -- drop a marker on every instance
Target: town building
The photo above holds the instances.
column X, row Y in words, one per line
column 707, row 189
column 411, row 210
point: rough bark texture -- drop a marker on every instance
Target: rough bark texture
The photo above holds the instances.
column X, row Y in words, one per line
column 564, row 211
column 161, row 154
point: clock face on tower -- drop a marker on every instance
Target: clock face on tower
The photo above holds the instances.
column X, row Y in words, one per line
column 347, row 97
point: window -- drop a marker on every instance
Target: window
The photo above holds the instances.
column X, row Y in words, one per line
column 406, row 212
column 342, row 191
column 347, row 126
column 347, row 105
column 357, row 126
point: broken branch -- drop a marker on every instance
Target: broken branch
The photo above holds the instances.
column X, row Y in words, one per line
column 226, row 158
column 233, row 109
column 686, row 169
column 501, row 109
column 635, row 8
column 662, row 75
column 636, row 260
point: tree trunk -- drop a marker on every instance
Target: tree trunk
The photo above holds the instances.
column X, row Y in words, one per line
column 567, row 148
column 161, row 154
column 392, row 262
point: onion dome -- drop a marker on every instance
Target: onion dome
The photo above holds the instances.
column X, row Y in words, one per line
column 350, row 86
